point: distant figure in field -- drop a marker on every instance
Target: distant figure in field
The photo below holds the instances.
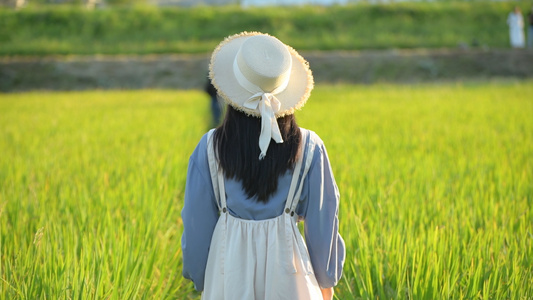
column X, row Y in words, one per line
column 216, row 110
column 530, row 28
column 516, row 28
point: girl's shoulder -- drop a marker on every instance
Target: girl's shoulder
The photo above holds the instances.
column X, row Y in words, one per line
column 199, row 155
column 313, row 138
column 314, row 144
column 202, row 144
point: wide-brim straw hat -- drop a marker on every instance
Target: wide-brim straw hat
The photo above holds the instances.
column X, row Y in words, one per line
column 267, row 64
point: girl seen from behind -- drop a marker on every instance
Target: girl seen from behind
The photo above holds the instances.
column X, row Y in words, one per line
column 254, row 177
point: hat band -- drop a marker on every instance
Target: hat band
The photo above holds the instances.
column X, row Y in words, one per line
column 267, row 104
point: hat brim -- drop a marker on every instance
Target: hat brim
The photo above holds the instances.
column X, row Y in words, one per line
column 222, row 77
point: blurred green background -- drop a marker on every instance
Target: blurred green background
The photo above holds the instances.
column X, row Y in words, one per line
column 138, row 27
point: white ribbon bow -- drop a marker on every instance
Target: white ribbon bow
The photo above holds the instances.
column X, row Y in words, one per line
column 268, row 106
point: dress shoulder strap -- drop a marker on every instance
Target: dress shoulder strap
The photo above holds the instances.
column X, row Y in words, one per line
column 213, row 168
column 307, row 148
column 295, row 174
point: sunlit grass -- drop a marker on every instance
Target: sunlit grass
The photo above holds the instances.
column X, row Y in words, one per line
column 436, row 184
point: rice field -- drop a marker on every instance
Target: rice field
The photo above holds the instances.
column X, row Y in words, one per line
column 436, row 185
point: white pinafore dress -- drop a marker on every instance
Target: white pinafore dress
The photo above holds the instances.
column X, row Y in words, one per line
column 259, row 259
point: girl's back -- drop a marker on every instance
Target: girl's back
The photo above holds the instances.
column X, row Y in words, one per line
column 240, row 238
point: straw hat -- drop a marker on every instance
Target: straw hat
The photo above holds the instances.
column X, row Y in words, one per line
column 259, row 75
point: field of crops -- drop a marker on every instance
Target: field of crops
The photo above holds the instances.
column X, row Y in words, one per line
column 436, row 187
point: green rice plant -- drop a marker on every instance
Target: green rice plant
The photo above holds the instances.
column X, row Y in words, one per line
column 436, row 185
column 91, row 190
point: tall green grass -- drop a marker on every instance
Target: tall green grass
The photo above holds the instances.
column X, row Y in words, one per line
column 147, row 30
column 436, row 187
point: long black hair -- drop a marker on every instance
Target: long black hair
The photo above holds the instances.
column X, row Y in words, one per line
column 236, row 143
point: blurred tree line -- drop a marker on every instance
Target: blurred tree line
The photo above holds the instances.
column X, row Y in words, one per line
column 103, row 3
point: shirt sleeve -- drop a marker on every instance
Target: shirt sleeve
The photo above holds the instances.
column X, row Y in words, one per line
column 199, row 215
column 320, row 211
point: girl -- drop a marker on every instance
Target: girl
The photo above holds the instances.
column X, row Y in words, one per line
column 253, row 178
